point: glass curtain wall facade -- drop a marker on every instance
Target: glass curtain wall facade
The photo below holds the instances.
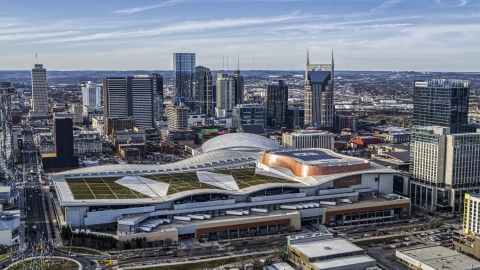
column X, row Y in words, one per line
column 6, row 139
column 184, row 78
column 441, row 103
column 204, row 90
column 277, row 104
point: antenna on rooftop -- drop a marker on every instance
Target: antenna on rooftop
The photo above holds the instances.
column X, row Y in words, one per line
column 238, row 63
column 227, row 63
column 36, row 56
column 223, row 63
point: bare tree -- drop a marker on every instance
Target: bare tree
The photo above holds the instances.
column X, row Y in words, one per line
column 181, row 253
column 167, row 241
column 252, row 232
column 222, row 235
column 120, row 246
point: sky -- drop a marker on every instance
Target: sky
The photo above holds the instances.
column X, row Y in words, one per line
column 397, row 35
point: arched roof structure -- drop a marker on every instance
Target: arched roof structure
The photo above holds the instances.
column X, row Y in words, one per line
column 239, row 141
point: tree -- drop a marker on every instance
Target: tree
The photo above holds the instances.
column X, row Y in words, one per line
column 439, row 222
column 144, row 243
column 156, row 243
column 242, row 234
column 339, row 222
column 131, row 255
column 120, row 246
column 252, row 232
column 432, row 222
column 144, row 256
column 155, row 254
column 204, row 249
column 271, row 230
column 181, row 253
column 222, row 235
column 167, row 241
column 290, row 228
column 133, row 244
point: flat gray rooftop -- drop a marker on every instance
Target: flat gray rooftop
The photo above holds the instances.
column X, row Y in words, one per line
column 344, row 262
column 438, row 257
column 325, row 247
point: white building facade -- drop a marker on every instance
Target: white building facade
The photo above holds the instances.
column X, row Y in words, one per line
column 92, row 94
column 308, row 139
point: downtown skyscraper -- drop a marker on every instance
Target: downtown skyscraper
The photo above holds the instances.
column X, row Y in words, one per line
column 6, row 139
column 92, row 95
column 319, row 83
column 39, row 101
column 184, row 78
column 125, row 97
column 441, row 103
column 277, row 104
column 204, row 90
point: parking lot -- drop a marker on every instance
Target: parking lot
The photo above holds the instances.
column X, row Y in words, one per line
column 382, row 247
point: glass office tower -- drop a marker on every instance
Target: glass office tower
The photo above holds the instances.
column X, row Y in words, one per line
column 184, row 78
column 277, row 104
column 441, row 103
column 6, row 146
column 204, row 90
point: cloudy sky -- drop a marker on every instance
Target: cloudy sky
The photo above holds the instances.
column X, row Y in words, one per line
column 420, row 35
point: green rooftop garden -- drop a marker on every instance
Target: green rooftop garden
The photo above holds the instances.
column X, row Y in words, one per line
column 101, row 188
column 247, row 177
column 179, row 182
column 106, row 188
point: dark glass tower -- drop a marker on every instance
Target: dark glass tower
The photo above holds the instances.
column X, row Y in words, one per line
column 239, row 86
column 64, row 156
column 184, row 77
column 204, row 90
column 277, row 104
column 441, row 103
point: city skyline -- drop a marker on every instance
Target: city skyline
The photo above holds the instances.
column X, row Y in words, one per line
column 435, row 35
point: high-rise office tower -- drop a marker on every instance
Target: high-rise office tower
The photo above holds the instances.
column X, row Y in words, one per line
column 92, row 95
column 177, row 116
column 184, row 78
column 39, row 90
column 319, row 84
column 6, row 145
column 65, row 157
column 239, row 86
column 157, row 88
column 125, row 97
column 277, row 104
column 443, row 167
column 225, row 97
column 204, row 90
column 248, row 114
column 441, row 103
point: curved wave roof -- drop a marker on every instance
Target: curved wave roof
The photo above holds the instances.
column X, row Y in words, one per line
column 239, row 140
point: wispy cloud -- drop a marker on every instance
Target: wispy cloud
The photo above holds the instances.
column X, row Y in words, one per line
column 138, row 9
column 385, row 5
column 458, row 3
column 191, row 26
